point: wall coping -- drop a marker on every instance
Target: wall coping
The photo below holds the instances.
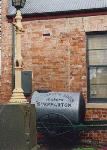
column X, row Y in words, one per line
column 96, row 105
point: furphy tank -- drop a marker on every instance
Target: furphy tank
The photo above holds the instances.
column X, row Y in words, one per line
column 70, row 106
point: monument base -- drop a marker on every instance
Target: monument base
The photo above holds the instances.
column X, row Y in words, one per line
column 17, row 127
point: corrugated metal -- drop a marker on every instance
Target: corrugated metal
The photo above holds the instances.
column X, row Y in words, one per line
column 43, row 6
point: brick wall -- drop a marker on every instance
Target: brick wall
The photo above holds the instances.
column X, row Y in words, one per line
column 58, row 61
column 55, row 51
column 95, row 138
column 6, row 49
column 0, row 39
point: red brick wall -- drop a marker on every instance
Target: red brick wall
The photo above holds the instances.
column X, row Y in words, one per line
column 96, row 114
column 95, row 138
column 58, row 61
column 0, row 37
column 6, row 47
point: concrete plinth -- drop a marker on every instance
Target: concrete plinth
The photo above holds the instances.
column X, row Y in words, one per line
column 17, row 127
